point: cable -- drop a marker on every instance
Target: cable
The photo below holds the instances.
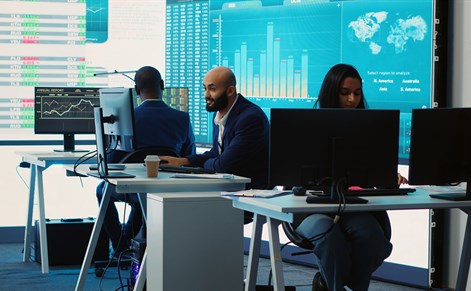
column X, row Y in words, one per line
column 100, row 165
column 119, row 269
column 82, row 160
column 21, row 177
column 114, row 253
column 124, row 73
column 340, row 209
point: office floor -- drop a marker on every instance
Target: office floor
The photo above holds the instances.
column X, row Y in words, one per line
column 16, row 275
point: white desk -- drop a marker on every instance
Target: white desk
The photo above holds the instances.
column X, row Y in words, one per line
column 184, row 217
column 275, row 210
column 40, row 161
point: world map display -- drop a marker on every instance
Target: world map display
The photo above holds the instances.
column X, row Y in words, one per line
column 376, row 30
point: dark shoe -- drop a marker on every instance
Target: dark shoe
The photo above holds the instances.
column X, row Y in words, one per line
column 318, row 283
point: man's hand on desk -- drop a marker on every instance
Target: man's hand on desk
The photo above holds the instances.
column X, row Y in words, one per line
column 173, row 161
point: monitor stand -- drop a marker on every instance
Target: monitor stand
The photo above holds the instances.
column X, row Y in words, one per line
column 110, row 175
column 334, row 199
column 102, row 163
column 69, row 144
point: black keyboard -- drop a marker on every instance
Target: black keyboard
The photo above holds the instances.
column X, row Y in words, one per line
column 379, row 192
column 111, row 167
column 185, row 169
column 365, row 192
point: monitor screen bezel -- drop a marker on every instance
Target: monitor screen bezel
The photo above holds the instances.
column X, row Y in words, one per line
column 301, row 146
column 440, row 149
column 63, row 125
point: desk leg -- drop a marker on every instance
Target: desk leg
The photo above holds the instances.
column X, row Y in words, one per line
column 107, row 191
column 42, row 221
column 254, row 254
column 141, row 279
column 463, row 270
column 29, row 218
column 275, row 254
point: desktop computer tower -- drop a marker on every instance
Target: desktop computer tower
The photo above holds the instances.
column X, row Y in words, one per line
column 67, row 241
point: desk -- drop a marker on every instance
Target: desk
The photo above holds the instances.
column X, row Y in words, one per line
column 178, row 209
column 40, row 161
column 275, row 210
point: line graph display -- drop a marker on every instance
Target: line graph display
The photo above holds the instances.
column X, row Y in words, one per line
column 70, row 107
column 66, row 103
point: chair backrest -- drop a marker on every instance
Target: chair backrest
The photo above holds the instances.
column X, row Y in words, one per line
column 139, row 155
column 296, row 238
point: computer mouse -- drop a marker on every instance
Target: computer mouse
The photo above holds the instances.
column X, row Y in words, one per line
column 298, row 191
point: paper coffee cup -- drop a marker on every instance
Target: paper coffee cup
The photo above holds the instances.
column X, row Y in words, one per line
column 152, row 165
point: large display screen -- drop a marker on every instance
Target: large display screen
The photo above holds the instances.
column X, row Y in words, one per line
column 280, row 51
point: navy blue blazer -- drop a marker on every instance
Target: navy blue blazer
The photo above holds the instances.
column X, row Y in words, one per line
column 244, row 149
column 159, row 125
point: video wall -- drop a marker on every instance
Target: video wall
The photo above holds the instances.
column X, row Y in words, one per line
column 279, row 50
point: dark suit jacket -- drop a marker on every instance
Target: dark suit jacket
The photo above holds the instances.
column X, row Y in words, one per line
column 244, row 145
column 158, row 125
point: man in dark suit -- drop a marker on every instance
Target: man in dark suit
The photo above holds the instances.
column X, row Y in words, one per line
column 156, row 125
column 240, row 134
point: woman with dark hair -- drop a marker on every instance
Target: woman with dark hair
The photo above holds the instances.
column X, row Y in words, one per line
column 341, row 80
column 349, row 247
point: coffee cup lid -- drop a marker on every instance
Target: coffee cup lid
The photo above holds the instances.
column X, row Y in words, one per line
column 152, row 158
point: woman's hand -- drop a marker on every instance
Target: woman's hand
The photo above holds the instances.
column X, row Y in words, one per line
column 401, row 179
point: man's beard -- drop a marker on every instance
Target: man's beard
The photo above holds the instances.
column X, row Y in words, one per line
column 219, row 103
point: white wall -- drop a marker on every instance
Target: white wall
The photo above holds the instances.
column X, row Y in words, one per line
column 459, row 49
column 65, row 197
column 459, row 76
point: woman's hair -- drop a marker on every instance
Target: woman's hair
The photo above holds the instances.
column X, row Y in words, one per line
column 330, row 89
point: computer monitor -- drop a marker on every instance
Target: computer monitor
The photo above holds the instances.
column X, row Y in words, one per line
column 440, row 149
column 65, row 110
column 331, row 148
column 175, row 97
column 118, row 117
column 102, row 150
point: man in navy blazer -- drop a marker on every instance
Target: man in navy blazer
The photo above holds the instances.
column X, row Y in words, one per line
column 240, row 133
column 156, row 125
